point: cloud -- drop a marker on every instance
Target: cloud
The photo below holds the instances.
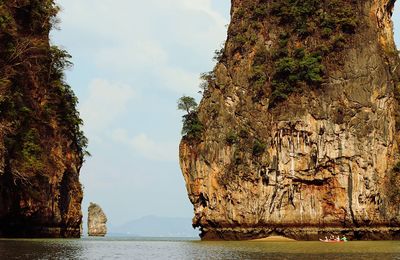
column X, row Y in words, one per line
column 136, row 55
column 147, row 39
column 206, row 7
column 106, row 101
column 133, row 58
column 396, row 21
column 147, row 147
column 179, row 80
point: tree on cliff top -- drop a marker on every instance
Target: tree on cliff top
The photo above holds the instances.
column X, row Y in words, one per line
column 187, row 104
column 192, row 127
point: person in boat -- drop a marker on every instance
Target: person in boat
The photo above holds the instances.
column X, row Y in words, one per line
column 344, row 238
column 324, row 240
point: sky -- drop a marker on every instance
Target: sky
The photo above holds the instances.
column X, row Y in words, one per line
column 132, row 60
column 396, row 21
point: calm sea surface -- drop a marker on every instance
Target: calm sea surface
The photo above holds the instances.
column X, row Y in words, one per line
column 135, row 248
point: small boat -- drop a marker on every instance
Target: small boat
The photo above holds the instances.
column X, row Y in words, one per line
column 332, row 241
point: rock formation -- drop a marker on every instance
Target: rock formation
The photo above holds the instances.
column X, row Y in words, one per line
column 300, row 124
column 41, row 144
column 96, row 221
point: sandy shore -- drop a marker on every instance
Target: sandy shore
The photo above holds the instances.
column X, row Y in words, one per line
column 274, row 239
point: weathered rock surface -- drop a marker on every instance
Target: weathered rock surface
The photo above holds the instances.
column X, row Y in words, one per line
column 321, row 161
column 96, row 221
column 41, row 145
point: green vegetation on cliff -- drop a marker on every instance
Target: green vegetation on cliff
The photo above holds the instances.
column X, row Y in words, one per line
column 30, row 112
column 325, row 22
column 42, row 146
column 192, row 127
column 309, row 33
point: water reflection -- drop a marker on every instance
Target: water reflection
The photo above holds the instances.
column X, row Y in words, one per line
column 117, row 248
column 42, row 249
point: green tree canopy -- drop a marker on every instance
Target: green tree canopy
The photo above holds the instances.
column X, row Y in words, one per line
column 187, row 104
column 192, row 127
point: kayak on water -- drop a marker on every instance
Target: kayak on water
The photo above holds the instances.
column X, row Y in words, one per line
column 332, row 241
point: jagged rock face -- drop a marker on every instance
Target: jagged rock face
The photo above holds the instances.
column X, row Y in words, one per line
column 41, row 145
column 96, row 221
column 321, row 160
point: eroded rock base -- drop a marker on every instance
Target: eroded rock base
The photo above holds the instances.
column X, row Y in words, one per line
column 307, row 233
column 38, row 232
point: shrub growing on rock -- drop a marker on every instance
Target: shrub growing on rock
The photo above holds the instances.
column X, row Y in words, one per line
column 192, row 127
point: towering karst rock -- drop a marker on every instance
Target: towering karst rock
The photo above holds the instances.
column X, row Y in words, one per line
column 96, row 221
column 41, row 144
column 300, row 124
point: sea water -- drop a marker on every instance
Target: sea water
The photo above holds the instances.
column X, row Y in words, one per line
column 156, row 248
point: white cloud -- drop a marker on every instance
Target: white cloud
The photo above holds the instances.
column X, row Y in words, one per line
column 205, row 6
column 179, row 80
column 135, row 38
column 139, row 54
column 396, row 21
column 147, row 147
column 106, row 101
column 159, row 47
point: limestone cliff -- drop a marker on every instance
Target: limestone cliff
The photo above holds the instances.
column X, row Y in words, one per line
column 96, row 221
column 300, row 124
column 41, row 144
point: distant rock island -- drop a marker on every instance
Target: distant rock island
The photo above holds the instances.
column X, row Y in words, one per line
column 96, row 221
column 298, row 130
column 41, row 144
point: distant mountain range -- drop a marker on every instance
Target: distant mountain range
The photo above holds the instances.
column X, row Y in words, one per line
column 153, row 226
